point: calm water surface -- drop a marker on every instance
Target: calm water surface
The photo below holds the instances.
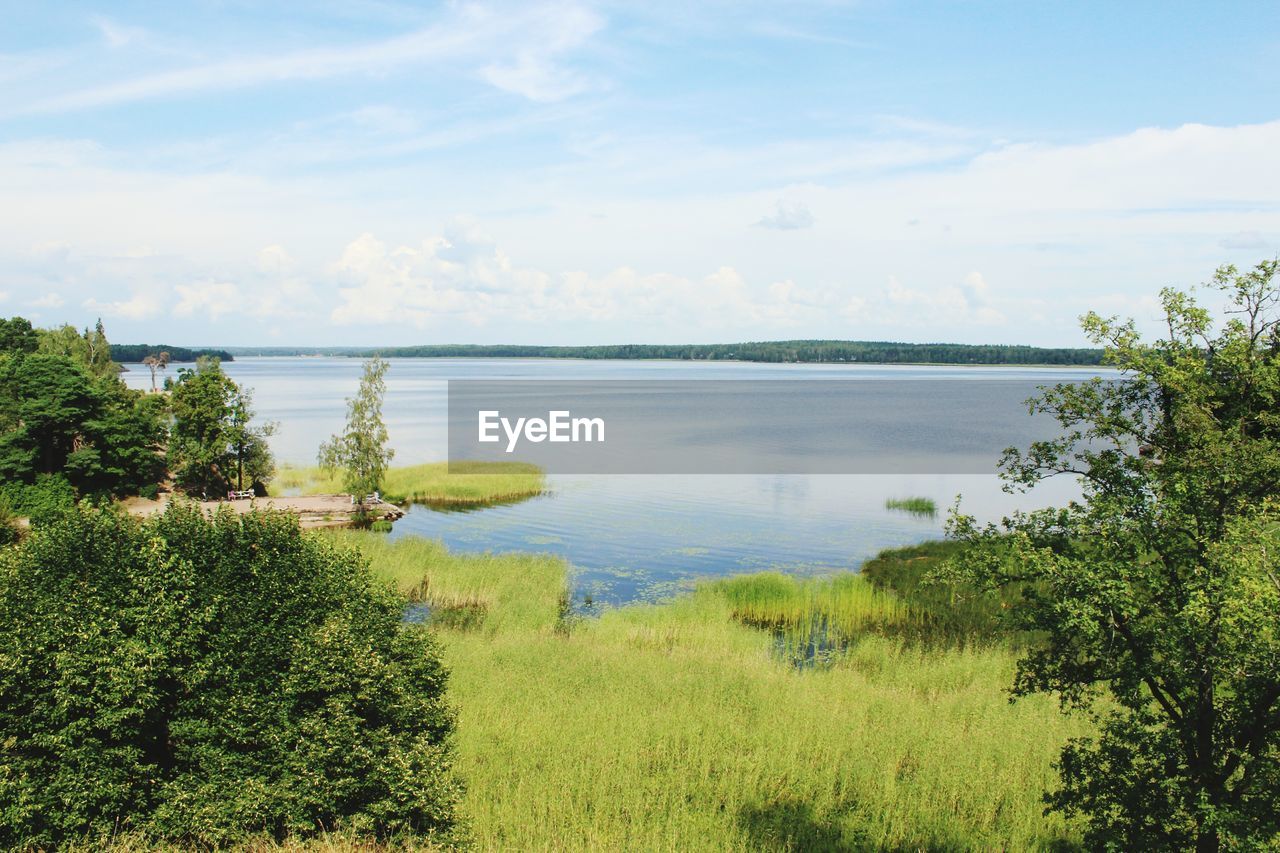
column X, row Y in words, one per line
column 637, row 536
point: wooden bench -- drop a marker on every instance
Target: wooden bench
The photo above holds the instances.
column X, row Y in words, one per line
column 240, row 496
column 374, row 498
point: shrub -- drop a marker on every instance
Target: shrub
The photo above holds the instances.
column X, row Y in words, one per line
column 43, row 500
column 8, row 522
column 201, row 681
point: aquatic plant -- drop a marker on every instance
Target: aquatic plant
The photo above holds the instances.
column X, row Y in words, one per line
column 915, row 506
column 436, row 484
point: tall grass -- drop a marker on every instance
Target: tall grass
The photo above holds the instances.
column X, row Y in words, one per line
column 674, row 727
column 914, row 506
column 434, row 483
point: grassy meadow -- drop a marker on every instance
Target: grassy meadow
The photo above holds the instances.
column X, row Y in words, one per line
column 432, row 483
column 679, row 726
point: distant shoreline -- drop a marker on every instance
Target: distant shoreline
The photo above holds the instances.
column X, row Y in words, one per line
column 1062, row 366
column 755, row 352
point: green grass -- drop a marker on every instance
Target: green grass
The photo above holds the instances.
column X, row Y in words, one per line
column 434, row 483
column 943, row 614
column 915, row 506
column 674, row 726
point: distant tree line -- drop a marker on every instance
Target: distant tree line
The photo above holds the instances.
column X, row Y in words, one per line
column 835, row 352
column 776, row 351
column 136, row 353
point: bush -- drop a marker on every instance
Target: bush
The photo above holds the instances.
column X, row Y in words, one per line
column 44, row 500
column 202, row 681
column 8, row 522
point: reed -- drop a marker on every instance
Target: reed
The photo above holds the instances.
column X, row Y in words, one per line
column 435, row 483
column 674, row 725
column 915, row 506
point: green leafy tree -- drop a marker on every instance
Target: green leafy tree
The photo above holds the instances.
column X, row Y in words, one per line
column 202, row 681
column 57, row 420
column 89, row 349
column 361, row 451
column 247, row 443
column 213, row 442
column 17, row 337
column 1160, row 588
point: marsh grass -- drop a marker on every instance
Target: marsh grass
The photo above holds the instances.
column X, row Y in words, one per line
column 813, row 621
column 674, row 726
column 945, row 614
column 436, row 484
column 914, row 506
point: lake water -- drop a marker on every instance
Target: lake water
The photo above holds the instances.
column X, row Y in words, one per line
column 632, row 537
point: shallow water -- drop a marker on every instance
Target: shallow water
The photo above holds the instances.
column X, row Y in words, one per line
column 632, row 537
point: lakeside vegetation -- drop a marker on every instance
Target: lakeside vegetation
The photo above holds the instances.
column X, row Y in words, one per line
column 799, row 351
column 196, row 681
column 677, row 726
column 437, row 484
column 914, row 506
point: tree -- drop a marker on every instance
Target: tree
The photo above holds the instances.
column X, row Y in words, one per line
column 89, row 349
column 1160, row 588
column 55, row 420
column 247, row 444
column 201, row 681
column 361, row 451
column 213, row 439
column 158, row 362
column 17, row 336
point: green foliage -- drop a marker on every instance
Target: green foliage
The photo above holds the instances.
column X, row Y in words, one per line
column 202, row 681
column 17, row 337
column 42, row 500
column 57, row 419
column 946, row 612
column 135, row 353
column 814, row 619
column 914, row 506
column 89, row 349
column 1159, row 587
column 360, row 452
column 213, row 443
column 441, row 485
column 8, row 521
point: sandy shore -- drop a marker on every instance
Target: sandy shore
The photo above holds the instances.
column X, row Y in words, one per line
column 312, row 510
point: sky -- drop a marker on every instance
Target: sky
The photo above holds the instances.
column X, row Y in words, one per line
column 385, row 173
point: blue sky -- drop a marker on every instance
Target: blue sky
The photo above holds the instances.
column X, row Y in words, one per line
column 570, row 172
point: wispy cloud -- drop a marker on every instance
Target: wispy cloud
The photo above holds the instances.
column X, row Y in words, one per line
column 520, row 52
column 788, row 217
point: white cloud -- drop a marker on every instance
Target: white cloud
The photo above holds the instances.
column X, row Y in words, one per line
column 788, row 217
column 516, row 50
column 212, row 299
column 118, row 35
column 465, row 277
column 1055, row 229
column 139, row 306
column 48, row 300
column 968, row 302
column 1248, row 240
